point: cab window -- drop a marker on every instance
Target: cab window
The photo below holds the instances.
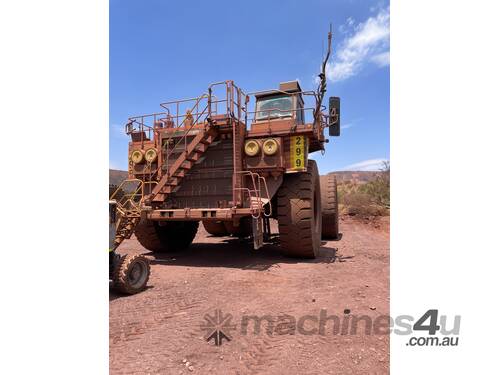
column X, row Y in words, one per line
column 274, row 107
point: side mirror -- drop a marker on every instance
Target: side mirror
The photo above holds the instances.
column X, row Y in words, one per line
column 334, row 117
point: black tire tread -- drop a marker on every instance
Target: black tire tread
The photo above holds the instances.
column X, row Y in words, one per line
column 330, row 208
column 215, row 228
column 295, row 213
column 174, row 236
column 120, row 282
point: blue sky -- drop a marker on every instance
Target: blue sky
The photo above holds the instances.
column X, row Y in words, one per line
column 165, row 50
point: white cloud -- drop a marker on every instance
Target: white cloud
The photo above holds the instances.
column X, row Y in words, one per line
column 347, row 26
column 382, row 59
column 368, row 41
column 366, row 165
column 346, row 126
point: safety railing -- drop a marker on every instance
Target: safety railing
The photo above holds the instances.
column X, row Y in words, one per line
column 183, row 139
column 233, row 101
column 181, row 110
column 145, row 124
column 224, row 98
column 129, row 196
column 256, row 202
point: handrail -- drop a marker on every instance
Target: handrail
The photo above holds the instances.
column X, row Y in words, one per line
column 184, row 137
column 257, row 191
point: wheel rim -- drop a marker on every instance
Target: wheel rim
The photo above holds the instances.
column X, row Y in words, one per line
column 137, row 274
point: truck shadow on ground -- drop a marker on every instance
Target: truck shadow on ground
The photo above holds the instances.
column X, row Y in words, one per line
column 235, row 253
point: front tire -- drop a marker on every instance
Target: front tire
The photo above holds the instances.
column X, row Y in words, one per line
column 131, row 274
column 299, row 213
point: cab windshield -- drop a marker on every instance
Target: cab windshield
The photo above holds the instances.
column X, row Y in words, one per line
column 274, row 107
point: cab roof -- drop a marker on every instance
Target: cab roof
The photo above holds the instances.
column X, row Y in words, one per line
column 290, row 87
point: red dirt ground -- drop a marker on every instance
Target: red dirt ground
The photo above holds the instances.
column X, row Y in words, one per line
column 159, row 330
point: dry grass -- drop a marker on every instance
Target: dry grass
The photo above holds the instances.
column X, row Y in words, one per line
column 366, row 199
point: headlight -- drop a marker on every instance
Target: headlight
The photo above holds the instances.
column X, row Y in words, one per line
column 252, row 147
column 270, row 146
column 137, row 156
column 151, row 155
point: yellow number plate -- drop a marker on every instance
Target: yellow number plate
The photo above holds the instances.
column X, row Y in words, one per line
column 298, row 149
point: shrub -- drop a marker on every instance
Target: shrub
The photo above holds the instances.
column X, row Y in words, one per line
column 371, row 198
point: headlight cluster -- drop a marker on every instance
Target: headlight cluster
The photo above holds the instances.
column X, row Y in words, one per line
column 151, row 155
column 252, row 147
column 138, row 156
column 269, row 147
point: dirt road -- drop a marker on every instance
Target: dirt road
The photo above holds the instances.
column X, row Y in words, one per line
column 160, row 331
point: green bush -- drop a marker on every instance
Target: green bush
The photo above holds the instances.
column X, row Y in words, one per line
column 371, row 198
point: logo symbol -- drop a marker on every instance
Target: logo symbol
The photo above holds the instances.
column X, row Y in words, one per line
column 218, row 327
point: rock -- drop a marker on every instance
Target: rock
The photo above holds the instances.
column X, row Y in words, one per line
column 373, row 308
column 191, row 368
column 314, row 299
column 184, row 360
column 347, row 311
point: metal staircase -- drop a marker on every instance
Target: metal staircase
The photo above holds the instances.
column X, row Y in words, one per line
column 188, row 158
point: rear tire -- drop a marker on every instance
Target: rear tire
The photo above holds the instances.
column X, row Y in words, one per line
column 131, row 274
column 172, row 236
column 330, row 207
column 299, row 213
column 215, row 228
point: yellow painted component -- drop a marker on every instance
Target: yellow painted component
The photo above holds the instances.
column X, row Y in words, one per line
column 270, row 146
column 298, row 149
column 252, row 147
column 137, row 156
column 151, row 155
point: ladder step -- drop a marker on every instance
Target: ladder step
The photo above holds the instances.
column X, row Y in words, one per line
column 193, row 157
column 201, row 148
column 180, row 173
column 187, row 165
column 207, row 140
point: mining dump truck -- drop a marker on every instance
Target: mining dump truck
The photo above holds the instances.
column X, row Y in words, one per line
column 232, row 161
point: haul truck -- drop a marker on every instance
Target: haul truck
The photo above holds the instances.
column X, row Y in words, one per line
column 232, row 161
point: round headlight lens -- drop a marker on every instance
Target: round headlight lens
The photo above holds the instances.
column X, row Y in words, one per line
column 252, row 147
column 137, row 156
column 151, row 155
column 270, row 146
